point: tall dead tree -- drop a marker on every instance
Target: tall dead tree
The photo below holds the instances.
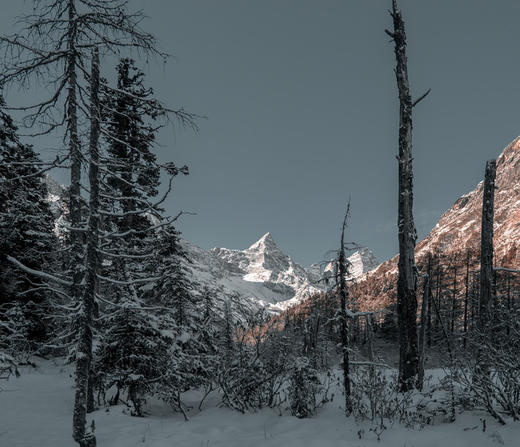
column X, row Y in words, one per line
column 341, row 279
column 84, row 346
column 407, row 276
column 466, row 299
column 425, row 310
column 453, row 316
column 486, row 246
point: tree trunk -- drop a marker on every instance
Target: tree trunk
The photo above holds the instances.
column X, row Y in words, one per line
column 466, row 300
column 91, row 402
column 84, row 349
column 430, row 298
column 422, row 333
column 344, row 294
column 407, row 276
column 76, row 237
column 509, row 307
column 486, row 246
column 454, row 300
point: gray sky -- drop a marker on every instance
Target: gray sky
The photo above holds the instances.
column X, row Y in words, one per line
column 302, row 112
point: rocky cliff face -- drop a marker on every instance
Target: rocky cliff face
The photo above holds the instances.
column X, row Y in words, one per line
column 458, row 230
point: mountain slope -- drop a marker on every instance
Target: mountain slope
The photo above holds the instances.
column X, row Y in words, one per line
column 458, row 230
column 262, row 274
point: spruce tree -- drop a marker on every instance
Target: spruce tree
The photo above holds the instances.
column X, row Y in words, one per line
column 149, row 311
column 26, row 233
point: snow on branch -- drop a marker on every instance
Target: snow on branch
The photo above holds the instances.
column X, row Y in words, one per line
column 38, row 272
column 131, row 282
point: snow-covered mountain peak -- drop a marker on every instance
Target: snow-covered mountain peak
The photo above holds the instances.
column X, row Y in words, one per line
column 266, row 275
column 264, row 262
column 266, row 242
column 262, row 275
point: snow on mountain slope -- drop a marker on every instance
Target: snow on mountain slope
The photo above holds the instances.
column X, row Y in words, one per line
column 262, row 274
column 361, row 262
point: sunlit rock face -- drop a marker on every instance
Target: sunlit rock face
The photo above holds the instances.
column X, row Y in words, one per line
column 458, row 230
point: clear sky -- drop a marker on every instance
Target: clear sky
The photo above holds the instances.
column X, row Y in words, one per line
column 302, row 113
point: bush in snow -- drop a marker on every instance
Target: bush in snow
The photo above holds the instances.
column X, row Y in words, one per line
column 132, row 355
column 376, row 397
column 254, row 359
column 8, row 366
column 304, row 386
column 488, row 373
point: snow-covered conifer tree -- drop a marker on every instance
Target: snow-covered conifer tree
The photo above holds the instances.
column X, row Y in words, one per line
column 26, row 233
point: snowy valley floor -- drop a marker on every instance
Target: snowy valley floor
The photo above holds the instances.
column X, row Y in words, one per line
column 36, row 410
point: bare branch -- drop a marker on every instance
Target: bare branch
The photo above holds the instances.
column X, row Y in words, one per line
column 420, row 98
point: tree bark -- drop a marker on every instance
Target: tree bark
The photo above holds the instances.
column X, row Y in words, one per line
column 486, row 246
column 422, row 333
column 407, row 275
column 454, row 299
column 344, row 294
column 76, row 237
column 466, row 300
column 84, row 349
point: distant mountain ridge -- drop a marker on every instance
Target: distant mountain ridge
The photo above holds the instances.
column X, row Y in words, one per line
column 263, row 274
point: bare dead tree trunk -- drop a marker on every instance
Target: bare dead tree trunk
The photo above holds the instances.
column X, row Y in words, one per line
column 76, row 236
column 454, row 299
column 430, row 297
column 84, row 349
column 509, row 307
column 422, row 333
column 342, row 271
column 486, row 246
column 369, row 320
column 407, row 276
column 466, row 300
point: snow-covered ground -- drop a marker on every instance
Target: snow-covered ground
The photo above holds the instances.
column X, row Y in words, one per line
column 36, row 411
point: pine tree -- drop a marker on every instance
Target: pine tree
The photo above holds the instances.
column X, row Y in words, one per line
column 131, row 215
column 26, row 233
column 133, row 354
column 143, row 277
column 132, row 113
column 192, row 353
column 55, row 45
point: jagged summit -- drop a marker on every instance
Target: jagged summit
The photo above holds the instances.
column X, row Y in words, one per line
column 265, row 242
column 263, row 273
